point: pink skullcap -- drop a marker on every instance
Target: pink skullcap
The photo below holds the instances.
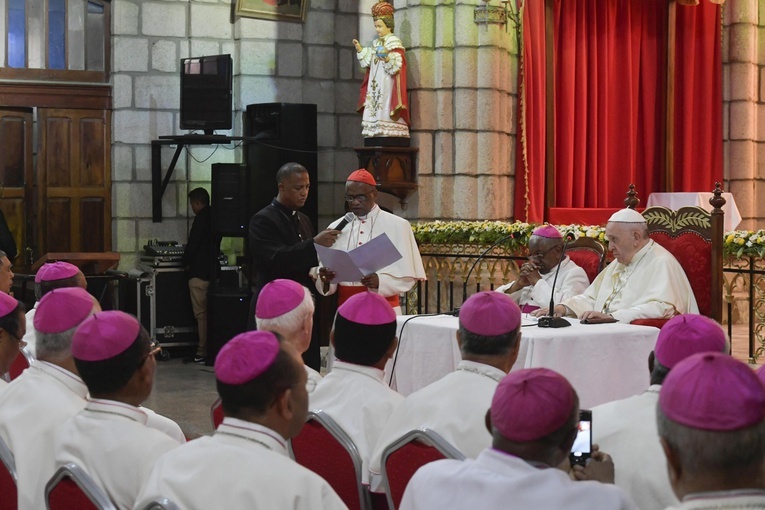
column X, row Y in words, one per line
column 362, row 175
column 368, row 308
column 62, row 309
column 532, row 403
column 712, row 391
column 8, row 304
column 278, row 297
column 104, row 335
column 687, row 334
column 490, row 313
column 51, row 271
column 246, row 356
column 547, row 231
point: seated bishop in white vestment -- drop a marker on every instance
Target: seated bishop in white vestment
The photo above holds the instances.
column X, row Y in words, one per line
column 455, row 406
column 245, row 464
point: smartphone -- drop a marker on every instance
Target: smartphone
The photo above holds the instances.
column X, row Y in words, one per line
column 582, row 447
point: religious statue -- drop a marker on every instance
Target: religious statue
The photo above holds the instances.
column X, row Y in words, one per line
column 383, row 101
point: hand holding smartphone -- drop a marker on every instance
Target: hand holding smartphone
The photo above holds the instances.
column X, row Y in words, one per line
column 581, row 450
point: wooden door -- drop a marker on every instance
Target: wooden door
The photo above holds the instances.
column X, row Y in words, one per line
column 74, row 180
column 16, row 202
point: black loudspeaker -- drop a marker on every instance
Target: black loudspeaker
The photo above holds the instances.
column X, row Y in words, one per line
column 227, row 310
column 230, row 200
column 280, row 133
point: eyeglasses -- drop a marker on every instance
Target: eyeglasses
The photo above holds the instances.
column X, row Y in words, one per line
column 360, row 198
column 540, row 255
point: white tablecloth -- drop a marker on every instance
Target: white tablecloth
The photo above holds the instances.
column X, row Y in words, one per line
column 675, row 201
column 604, row 362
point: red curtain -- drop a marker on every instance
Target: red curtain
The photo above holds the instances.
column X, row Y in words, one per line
column 610, row 87
column 529, row 202
column 698, row 161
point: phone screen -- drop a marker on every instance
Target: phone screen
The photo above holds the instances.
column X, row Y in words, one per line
column 582, row 447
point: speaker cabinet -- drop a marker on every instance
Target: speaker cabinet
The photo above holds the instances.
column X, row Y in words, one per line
column 230, row 200
column 280, row 133
column 227, row 311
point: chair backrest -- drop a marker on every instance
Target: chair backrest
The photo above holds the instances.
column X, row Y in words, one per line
column 589, row 254
column 216, row 413
column 71, row 488
column 406, row 455
column 22, row 362
column 8, row 478
column 161, row 504
column 325, row 448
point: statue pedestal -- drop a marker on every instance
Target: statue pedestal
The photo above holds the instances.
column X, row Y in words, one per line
column 394, row 169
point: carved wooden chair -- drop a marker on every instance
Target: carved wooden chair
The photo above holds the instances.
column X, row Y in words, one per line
column 589, row 254
column 695, row 237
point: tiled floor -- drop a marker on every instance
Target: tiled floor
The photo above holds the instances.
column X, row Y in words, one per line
column 184, row 393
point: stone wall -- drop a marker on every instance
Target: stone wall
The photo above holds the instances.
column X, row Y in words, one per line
column 744, row 107
column 462, row 82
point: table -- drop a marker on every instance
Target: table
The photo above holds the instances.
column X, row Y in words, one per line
column 675, row 201
column 604, row 362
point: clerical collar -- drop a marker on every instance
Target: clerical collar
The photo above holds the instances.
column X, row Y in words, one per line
column 371, row 214
column 286, row 210
column 736, row 493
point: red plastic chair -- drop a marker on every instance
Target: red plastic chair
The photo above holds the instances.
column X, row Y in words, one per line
column 409, row 453
column 324, row 448
column 21, row 363
column 8, row 479
column 695, row 237
column 216, row 413
column 72, row 489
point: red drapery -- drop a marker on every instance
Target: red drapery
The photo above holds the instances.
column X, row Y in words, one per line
column 610, row 87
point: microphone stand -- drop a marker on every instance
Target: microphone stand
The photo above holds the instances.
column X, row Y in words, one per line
column 480, row 257
column 549, row 320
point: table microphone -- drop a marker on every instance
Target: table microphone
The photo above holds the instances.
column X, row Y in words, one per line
column 549, row 320
column 502, row 239
column 346, row 220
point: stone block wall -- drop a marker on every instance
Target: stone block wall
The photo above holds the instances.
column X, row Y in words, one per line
column 744, row 107
column 462, row 83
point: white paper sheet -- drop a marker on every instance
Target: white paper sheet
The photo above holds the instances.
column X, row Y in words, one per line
column 352, row 266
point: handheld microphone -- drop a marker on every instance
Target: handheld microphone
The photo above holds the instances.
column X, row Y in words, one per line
column 346, row 220
column 549, row 320
column 480, row 257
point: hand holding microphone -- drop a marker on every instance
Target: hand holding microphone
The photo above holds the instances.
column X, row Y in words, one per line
column 328, row 237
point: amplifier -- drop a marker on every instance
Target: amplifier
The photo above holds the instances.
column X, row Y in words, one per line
column 162, row 260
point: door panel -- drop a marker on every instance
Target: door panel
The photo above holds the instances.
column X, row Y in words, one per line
column 16, row 128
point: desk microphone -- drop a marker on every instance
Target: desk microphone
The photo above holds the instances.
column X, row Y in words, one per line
column 480, row 257
column 549, row 320
column 346, row 220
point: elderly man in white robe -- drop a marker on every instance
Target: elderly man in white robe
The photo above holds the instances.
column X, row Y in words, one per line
column 533, row 288
column 49, row 392
column 626, row 428
column 286, row 308
column 533, row 418
column 369, row 221
column 245, row 464
column 489, row 335
column 711, row 421
column 644, row 282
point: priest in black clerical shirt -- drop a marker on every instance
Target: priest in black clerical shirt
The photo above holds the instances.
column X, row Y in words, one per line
column 281, row 241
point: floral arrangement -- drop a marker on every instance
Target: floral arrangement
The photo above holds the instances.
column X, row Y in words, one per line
column 737, row 243
column 745, row 243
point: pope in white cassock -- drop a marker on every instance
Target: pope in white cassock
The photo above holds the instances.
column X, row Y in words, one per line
column 369, row 222
column 533, row 288
column 644, row 282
